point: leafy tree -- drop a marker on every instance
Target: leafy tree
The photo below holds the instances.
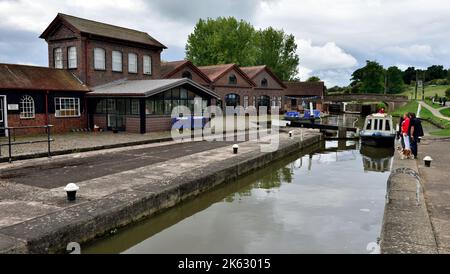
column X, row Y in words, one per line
column 435, row 72
column 222, row 41
column 409, row 75
column 394, row 80
column 278, row 51
column 313, row 79
column 226, row 40
column 369, row 79
column 447, row 93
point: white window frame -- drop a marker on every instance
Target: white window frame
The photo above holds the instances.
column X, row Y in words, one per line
column 72, row 61
column 99, row 54
column 27, row 107
column 77, row 109
column 246, row 102
column 147, row 64
column 132, row 69
column 115, row 63
column 58, row 58
column 135, row 107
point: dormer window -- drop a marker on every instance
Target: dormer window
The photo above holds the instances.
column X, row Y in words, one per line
column 264, row 83
column 232, row 80
column 58, row 58
column 132, row 63
column 72, row 57
column 187, row 74
column 99, row 59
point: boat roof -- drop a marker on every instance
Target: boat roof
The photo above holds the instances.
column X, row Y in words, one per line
column 380, row 115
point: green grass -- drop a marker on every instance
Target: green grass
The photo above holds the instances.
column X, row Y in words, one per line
column 430, row 103
column 430, row 91
column 446, row 112
column 412, row 106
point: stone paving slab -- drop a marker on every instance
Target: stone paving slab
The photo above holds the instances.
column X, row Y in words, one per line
column 437, row 188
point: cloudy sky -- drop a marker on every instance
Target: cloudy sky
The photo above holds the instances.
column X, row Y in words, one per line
column 334, row 36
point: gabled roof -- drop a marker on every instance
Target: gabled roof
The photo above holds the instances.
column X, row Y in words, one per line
column 305, row 88
column 252, row 72
column 14, row 77
column 168, row 69
column 216, row 72
column 80, row 25
column 145, row 88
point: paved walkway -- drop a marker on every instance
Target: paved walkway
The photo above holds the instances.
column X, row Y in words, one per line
column 437, row 188
column 435, row 112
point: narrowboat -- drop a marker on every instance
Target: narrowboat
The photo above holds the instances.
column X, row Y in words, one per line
column 378, row 131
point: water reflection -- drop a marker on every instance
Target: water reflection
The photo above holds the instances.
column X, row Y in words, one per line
column 377, row 159
column 317, row 201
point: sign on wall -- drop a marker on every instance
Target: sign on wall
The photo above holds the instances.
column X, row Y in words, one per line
column 13, row 107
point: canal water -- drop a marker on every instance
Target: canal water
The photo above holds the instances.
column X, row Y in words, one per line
column 328, row 199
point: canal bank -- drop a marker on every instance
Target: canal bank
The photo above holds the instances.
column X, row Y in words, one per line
column 114, row 201
column 407, row 228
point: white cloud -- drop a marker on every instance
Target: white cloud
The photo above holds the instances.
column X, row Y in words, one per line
column 333, row 36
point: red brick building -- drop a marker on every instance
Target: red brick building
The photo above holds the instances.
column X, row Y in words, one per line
column 298, row 94
column 99, row 53
column 37, row 96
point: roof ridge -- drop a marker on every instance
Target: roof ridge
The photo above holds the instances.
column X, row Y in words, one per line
column 98, row 22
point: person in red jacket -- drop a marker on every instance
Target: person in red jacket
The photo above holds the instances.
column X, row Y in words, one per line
column 406, row 138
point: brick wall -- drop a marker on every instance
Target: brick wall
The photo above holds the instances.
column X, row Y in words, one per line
column 101, row 121
column 158, row 123
column 61, row 125
column 64, row 39
column 133, row 124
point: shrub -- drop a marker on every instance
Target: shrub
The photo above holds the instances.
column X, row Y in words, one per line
column 447, row 93
column 381, row 105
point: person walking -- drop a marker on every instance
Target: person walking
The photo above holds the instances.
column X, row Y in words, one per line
column 415, row 133
column 405, row 133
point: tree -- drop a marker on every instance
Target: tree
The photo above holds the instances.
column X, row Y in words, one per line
column 447, row 93
column 369, row 79
column 222, row 41
column 409, row 75
column 395, row 80
column 227, row 40
column 313, row 79
column 278, row 51
column 435, row 72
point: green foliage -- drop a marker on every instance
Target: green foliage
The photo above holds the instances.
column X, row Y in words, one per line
column 409, row 75
column 435, row 72
column 395, row 82
column 439, row 82
column 227, row 40
column 222, row 41
column 382, row 105
column 313, row 79
column 278, row 51
column 370, row 78
column 447, row 93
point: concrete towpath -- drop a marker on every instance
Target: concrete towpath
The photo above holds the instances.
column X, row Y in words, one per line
column 435, row 112
column 437, row 188
column 35, row 216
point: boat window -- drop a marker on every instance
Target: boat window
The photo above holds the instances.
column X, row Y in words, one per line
column 375, row 126
column 381, row 124
column 369, row 124
column 388, row 125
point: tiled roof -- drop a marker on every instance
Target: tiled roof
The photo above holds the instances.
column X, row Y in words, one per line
column 38, row 78
column 305, row 88
column 104, row 30
column 253, row 71
column 168, row 67
column 216, row 71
